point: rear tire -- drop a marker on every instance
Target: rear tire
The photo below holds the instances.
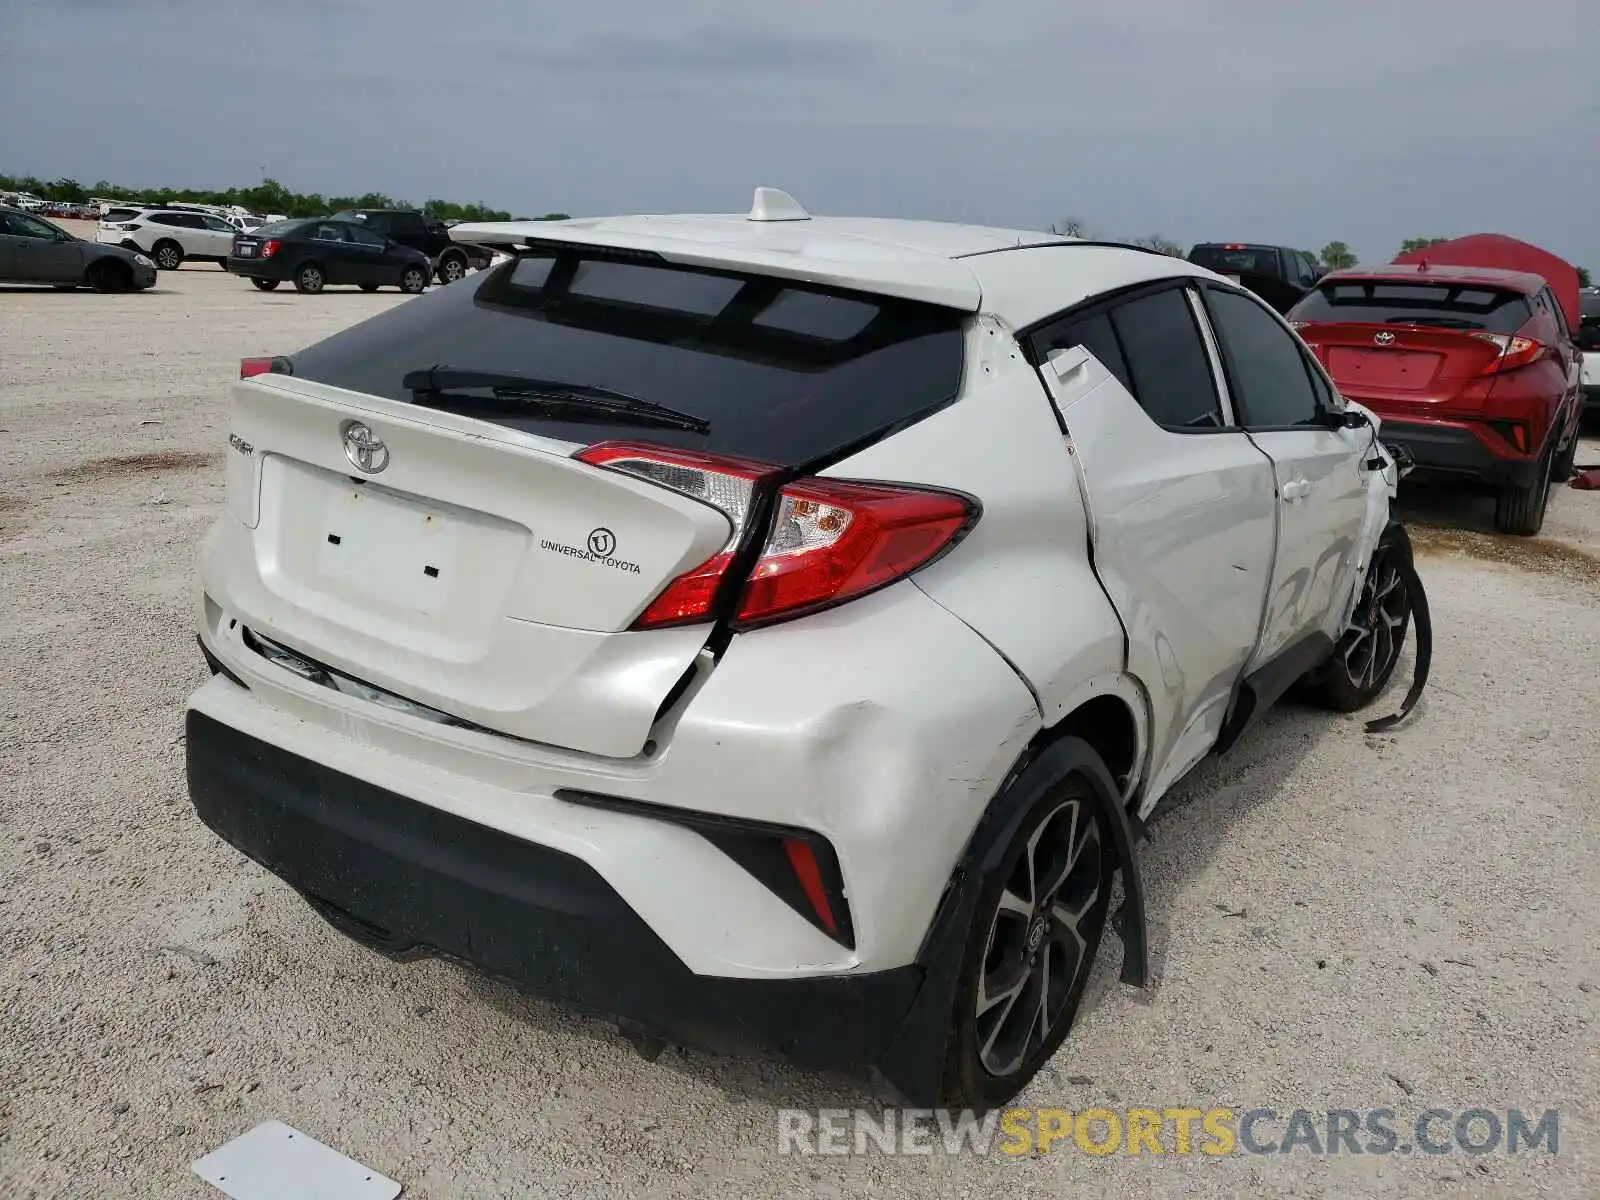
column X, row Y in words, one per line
column 1369, row 650
column 1561, row 471
column 1520, row 510
column 1031, row 947
column 413, row 280
column 308, row 278
column 266, row 285
column 168, row 255
column 452, row 266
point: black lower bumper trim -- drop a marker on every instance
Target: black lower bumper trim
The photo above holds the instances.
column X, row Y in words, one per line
column 1451, row 450
column 408, row 879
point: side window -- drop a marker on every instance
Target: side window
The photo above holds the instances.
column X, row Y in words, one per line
column 1270, row 383
column 1167, row 361
column 1094, row 334
column 18, row 225
column 362, row 237
column 377, row 222
column 161, row 219
column 1308, row 273
column 327, row 233
column 217, row 225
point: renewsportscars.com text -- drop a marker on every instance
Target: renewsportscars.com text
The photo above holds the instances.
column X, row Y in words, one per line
column 1182, row 1131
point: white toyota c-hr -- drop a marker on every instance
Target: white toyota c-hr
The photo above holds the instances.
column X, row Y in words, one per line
column 769, row 629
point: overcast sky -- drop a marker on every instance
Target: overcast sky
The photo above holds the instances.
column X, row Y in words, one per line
column 1288, row 121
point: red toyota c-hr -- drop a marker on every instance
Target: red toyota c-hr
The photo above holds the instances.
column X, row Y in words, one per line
column 1473, row 370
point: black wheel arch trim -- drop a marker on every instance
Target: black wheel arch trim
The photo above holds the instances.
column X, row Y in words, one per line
column 907, row 1066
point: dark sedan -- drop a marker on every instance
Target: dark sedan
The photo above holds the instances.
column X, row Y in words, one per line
column 314, row 252
column 34, row 250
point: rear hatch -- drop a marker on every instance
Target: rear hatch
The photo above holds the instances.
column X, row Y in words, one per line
column 422, row 533
column 1418, row 345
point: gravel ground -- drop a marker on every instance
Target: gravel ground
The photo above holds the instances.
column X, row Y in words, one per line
column 1405, row 921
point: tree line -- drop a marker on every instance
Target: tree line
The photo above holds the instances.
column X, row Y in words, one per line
column 269, row 196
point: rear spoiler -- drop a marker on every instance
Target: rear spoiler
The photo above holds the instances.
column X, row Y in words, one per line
column 884, row 270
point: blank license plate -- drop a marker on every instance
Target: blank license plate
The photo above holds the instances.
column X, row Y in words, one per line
column 389, row 549
column 245, row 251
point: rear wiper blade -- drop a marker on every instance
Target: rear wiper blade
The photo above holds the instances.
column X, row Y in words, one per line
column 559, row 398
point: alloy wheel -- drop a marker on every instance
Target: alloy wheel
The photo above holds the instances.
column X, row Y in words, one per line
column 1036, row 950
column 168, row 258
column 452, row 269
column 1373, row 641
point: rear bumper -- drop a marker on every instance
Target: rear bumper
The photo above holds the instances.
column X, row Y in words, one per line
column 408, row 878
column 1460, row 449
column 257, row 268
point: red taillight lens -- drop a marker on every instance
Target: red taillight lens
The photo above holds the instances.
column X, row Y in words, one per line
column 726, row 484
column 277, row 365
column 829, row 540
column 268, row 249
column 832, row 541
column 1514, row 351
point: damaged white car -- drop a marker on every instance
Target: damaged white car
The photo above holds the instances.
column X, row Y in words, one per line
column 775, row 629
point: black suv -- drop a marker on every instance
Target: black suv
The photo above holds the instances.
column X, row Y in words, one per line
column 451, row 260
column 1280, row 275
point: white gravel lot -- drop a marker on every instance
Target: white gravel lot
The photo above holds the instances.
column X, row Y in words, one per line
column 1340, row 921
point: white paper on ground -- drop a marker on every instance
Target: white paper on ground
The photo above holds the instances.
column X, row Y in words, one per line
column 274, row 1162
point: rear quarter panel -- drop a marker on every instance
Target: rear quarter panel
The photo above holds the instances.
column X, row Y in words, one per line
column 1022, row 579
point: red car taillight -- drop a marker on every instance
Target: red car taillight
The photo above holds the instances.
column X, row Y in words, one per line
column 1514, row 351
column 268, row 249
column 828, row 540
column 277, row 365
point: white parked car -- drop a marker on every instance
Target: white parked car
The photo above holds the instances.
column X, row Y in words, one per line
column 777, row 628
column 169, row 235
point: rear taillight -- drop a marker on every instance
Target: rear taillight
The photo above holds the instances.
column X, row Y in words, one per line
column 1514, row 351
column 831, row 541
column 726, row 484
column 268, row 249
column 828, row 540
column 277, row 365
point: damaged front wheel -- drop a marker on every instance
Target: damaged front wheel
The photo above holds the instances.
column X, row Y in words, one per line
column 1369, row 650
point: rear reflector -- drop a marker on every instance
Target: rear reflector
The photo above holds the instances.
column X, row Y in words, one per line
column 809, row 874
column 829, row 540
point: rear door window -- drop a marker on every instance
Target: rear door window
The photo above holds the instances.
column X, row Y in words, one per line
column 1267, row 373
column 783, row 372
column 1167, row 361
column 1444, row 305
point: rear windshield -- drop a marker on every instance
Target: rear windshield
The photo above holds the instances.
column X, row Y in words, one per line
column 783, row 372
column 1368, row 302
column 121, row 214
column 1240, row 260
column 280, row 228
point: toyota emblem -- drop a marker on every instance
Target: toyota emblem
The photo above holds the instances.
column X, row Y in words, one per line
column 364, row 449
column 1383, row 339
